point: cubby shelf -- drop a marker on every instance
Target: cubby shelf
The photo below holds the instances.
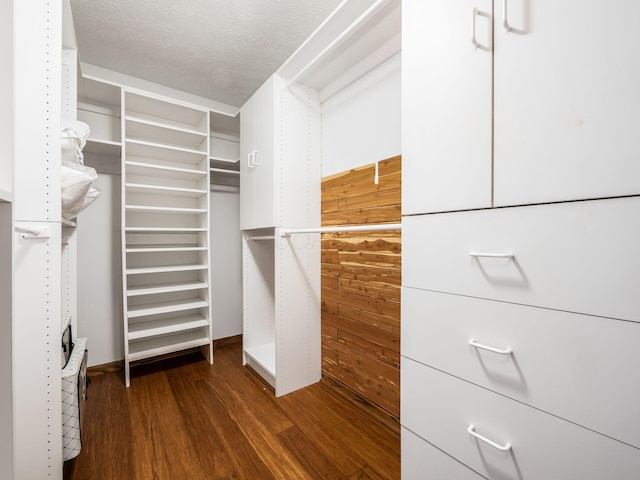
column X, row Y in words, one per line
column 164, row 190
column 161, row 151
column 168, row 306
column 162, row 345
column 166, row 229
column 164, row 326
column 164, row 269
column 163, row 248
column 151, row 209
column 163, row 171
column 165, row 288
column 107, row 148
column 166, row 134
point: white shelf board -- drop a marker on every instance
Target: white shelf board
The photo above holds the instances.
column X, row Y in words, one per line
column 163, row 171
column 223, row 159
column 222, row 170
column 146, row 188
column 154, row 346
column 165, row 288
column 170, row 306
column 103, row 147
column 164, row 124
column 165, row 229
column 5, row 196
column 164, row 134
column 165, row 269
column 166, row 325
column 164, row 248
column 146, row 208
column 68, row 223
column 144, row 148
column 264, row 355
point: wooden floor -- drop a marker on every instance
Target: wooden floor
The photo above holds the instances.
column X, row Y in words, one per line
column 184, row 419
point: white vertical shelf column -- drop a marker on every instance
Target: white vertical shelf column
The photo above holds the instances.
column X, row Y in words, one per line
column 37, row 306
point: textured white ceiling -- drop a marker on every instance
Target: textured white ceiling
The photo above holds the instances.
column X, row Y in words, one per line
column 219, row 49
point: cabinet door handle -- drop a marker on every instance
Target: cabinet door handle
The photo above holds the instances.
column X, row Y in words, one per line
column 503, row 448
column 491, row 255
column 505, row 16
column 474, row 39
column 250, row 160
column 255, row 156
column 505, row 351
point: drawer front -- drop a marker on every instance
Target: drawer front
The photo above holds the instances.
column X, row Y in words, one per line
column 578, row 367
column 421, row 460
column 441, row 408
column 579, row 257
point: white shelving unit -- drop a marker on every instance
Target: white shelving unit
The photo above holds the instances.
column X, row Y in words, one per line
column 224, row 149
column 165, row 227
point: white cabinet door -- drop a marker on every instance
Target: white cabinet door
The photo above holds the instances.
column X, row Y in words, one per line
column 567, row 104
column 247, row 128
column 265, row 116
column 446, row 105
column 257, row 153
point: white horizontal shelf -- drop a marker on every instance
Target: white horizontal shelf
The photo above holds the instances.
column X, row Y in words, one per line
column 165, row 288
column 224, row 159
column 165, row 269
column 170, row 306
column 165, row 229
column 154, row 170
column 163, row 248
column 146, row 208
column 165, row 112
column 103, row 147
column 264, row 355
column 163, row 133
column 164, row 124
column 226, row 172
column 166, row 325
column 155, row 346
column 5, row 195
column 165, row 190
column 68, row 223
column 160, row 151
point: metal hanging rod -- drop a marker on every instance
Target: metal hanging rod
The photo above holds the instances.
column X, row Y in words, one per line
column 347, row 228
column 361, row 19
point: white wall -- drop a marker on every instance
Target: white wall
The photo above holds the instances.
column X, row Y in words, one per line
column 226, row 263
column 361, row 123
column 100, row 275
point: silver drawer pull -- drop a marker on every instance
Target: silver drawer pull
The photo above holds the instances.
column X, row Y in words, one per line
column 491, row 255
column 503, row 448
column 506, row 351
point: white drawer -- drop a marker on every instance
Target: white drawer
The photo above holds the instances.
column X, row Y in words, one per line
column 423, row 461
column 580, row 256
column 441, row 408
column 578, row 367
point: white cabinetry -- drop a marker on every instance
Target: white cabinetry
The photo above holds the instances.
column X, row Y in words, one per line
column 533, row 118
column 280, row 187
column 280, row 157
column 165, row 228
column 519, row 324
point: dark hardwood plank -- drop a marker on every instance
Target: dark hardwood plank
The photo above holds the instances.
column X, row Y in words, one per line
column 185, row 419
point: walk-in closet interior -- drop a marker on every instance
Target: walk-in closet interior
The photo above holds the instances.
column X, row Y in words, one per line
column 432, row 205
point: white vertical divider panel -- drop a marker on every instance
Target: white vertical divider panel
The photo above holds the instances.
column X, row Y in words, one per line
column 297, row 258
column 37, row 307
column 298, row 327
column 6, row 240
column 123, row 238
column 6, row 349
column 6, row 100
column 69, row 267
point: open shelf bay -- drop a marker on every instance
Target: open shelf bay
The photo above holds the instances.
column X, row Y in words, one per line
column 166, row 325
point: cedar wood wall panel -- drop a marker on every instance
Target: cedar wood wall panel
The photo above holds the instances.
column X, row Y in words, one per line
column 361, row 277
